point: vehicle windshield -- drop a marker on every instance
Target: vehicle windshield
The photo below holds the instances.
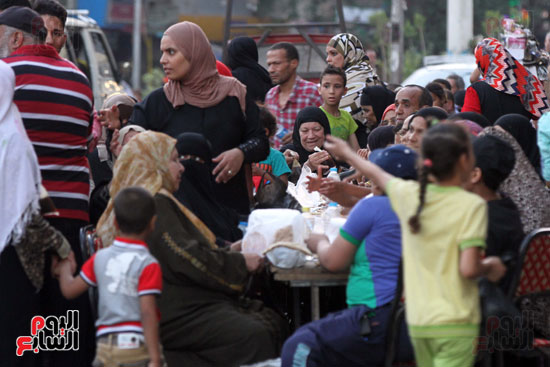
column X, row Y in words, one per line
column 425, row 75
column 104, row 66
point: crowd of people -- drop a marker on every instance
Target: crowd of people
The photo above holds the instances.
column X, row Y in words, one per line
column 445, row 183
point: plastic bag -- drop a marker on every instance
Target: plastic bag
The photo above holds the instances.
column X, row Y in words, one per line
column 271, row 226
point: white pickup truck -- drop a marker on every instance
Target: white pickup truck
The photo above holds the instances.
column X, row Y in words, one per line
column 87, row 48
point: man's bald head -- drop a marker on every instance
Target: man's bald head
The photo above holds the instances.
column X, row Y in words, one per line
column 410, row 99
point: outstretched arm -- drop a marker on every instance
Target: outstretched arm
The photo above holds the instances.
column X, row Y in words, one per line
column 342, row 151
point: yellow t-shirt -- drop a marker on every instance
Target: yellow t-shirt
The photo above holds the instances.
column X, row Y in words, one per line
column 440, row 302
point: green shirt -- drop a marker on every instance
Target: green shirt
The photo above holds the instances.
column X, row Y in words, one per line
column 342, row 126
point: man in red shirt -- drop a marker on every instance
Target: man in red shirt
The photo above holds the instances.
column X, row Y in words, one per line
column 55, row 101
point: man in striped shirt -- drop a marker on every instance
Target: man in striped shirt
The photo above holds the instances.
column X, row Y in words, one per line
column 55, row 101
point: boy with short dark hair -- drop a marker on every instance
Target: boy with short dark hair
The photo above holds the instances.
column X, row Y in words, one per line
column 332, row 88
column 128, row 279
column 275, row 162
column 495, row 159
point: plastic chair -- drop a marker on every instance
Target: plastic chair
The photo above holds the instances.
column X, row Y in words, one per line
column 532, row 275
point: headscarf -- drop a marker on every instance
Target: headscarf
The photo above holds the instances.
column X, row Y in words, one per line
column 379, row 97
column 242, row 58
column 126, row 129
column 381, row 137
column 525, row 134
column 144, row 162
column 504, row 73
column 196, row 190
column 202, row 86
column 437, row 113
column 388, row 109
column 19, row 171
column 359, row 72
column 308, row 114
column 524, row 186
column 473, row 116
column 470, row 126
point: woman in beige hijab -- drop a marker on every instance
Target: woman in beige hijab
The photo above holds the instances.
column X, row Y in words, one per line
column 205, row 321
column 197, row 99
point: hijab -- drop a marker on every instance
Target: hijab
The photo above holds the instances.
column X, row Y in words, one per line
column 144, row 162
column 19, row 171
column 202, row 86
column 381, row 137
column 359, row 72
column 470, row 126
column 524, row 186
column 505, row 74
column 525, row 134
column 473, row 116
column 388, row 109
column 379, row 97
column 308, row 114
column 242, row 58
column 196, row 190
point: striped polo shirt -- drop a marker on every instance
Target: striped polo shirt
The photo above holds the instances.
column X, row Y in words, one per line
column 56, row 101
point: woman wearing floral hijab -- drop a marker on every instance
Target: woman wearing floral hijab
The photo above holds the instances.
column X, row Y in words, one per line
column 507, row 87
column 197, row 99
column 205, row 321
column 345, row 51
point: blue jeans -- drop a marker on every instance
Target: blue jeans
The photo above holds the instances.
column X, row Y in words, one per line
column 335, row 340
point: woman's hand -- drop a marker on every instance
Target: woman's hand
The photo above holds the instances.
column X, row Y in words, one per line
column 236, row 246
column 315, row 159
column 254, row 262
column 115, row 146
column 287, row 139
column 110, row 118
column 290, row 156
column 495, row 268
column 314, row 183
column 330, row 187
column 228, row 164
column 338, row 148
column 363, row 153
column 313, row 241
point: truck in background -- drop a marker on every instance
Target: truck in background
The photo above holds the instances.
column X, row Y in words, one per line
column 88, row 49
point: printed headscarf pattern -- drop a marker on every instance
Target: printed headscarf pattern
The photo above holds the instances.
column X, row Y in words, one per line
column 144, row 162
column 19, row 171
column 504, row 73
column 202, row 86
column 359, row 72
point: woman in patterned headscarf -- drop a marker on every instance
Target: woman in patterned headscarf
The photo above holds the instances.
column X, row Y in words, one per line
column 346, row 51
column 507, row 87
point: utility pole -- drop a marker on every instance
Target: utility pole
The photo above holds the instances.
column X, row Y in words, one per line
column 136, row 47
column 460, row 25
column 397, row 40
